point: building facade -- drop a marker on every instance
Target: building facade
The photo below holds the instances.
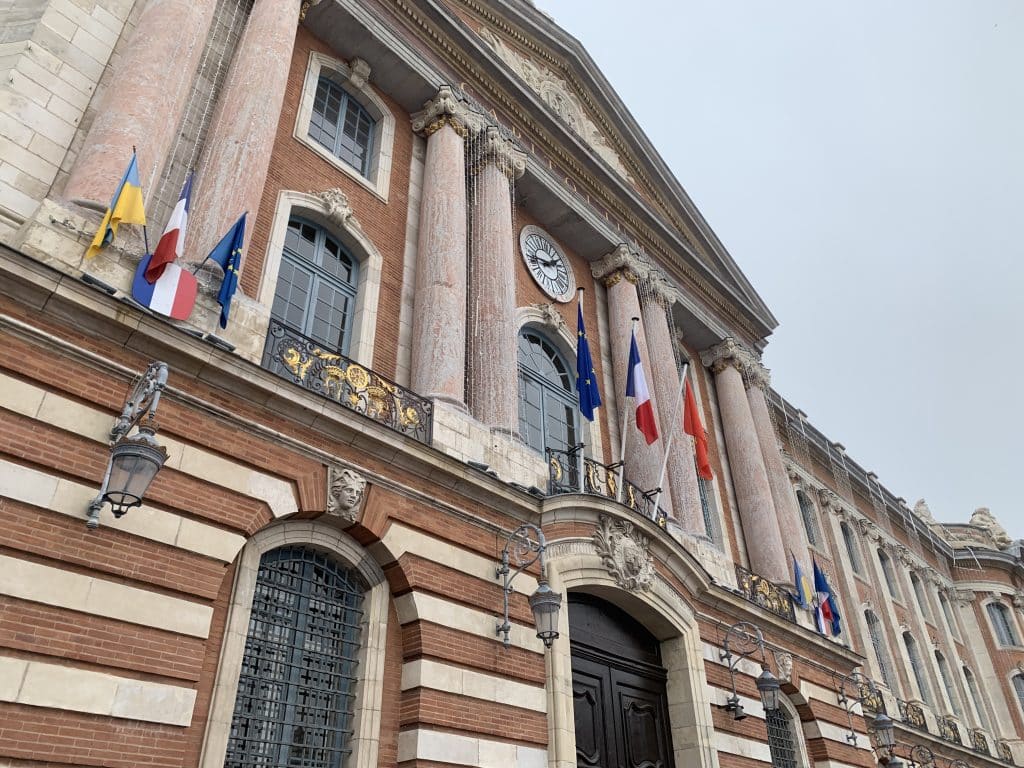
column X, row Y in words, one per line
column 310, row 580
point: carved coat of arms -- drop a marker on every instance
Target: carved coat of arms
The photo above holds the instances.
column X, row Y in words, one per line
column 625, row 553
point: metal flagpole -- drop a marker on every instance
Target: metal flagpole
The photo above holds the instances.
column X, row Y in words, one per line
column 579, row 395
column 145, row 235
column 625, row 423
column 671, row 434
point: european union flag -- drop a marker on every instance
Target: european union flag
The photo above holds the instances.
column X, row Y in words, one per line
column 586, row 379
column 228, row 253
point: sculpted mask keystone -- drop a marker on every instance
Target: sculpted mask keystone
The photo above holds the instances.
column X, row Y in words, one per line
column 345, row 489
column 625, row 552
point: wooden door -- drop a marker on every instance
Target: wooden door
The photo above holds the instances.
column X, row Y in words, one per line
column 619, row 702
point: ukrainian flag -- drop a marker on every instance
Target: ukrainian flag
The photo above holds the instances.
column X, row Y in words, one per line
column 125, row 208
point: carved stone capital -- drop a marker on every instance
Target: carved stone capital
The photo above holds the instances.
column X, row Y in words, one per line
column 869, row 530
column 656, row 288
column 784, row 664
column 339, row 211
column 502, row 151
column 304, row 6
column 830, row 500
column 727, row 353
column 447, row 108
column 625, row 553
column 622, row 263
column 756, row 375
column 345, row 491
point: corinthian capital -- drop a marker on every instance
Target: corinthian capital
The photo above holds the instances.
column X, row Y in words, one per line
column 657, row 289
column 756, row 375
column 447, row 108
column 623, row 262
column 725, row 354
column 503, row 152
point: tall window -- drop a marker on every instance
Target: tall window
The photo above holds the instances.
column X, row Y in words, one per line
column 341, row 125
column 919, row 595
column 547, row 394
column 947, row 612
column 1018, row 688
column 298, row 681
column 851, row 548
column 947, row 683
column 979, row 706
column 316, row 286
column 781, row 741
column 917, row 667
column 999, row 615
column 809, row 518
column 890, row 575
column 881, row 650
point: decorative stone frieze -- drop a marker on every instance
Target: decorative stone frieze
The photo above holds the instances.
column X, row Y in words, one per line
column 345, row 490
column 339, row 210
column 784, row 665
column 625, row 553
column 624, row 262
column 447, row 108
column 502, row 150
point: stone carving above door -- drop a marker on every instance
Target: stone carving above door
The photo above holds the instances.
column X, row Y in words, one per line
column 625, row 553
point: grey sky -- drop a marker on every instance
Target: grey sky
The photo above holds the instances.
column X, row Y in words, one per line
column 863, row 162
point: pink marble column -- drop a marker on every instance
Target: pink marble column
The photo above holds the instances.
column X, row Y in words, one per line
column 765, row 547
column 620, row 271
column 144, row 102
column 439, row 314
column 787, row 510
column 230, row 178
column 656, row 298
column 492, row 305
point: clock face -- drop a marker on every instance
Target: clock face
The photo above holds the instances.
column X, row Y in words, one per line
column 547, row 264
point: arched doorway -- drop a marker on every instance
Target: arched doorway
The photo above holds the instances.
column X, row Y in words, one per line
column 618, row 687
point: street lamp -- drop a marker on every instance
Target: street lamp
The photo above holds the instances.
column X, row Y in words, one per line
column 544, row 602
column 134, row 459
column 747, row 638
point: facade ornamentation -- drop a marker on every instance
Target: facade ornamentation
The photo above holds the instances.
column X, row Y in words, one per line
column 784, row 664
column 727, row 353
column 625, row 553
column 447, row 108
column 1018, row 600
column 557, row 94
column 756, row 375
column 983, row 518
column 623, row 262
column 359, row 73
column 658, row 289
column 305, row 6
column 345, row 489
column 339, row 210
column 503, row 152
column 550, row 317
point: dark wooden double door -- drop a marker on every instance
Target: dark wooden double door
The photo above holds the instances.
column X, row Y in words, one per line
column 618, row 687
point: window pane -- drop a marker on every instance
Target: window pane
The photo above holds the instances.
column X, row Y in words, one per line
column 547, row 396
column 780, row 739
column 341, row 125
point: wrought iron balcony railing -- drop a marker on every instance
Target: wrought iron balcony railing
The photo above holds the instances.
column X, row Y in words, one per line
column 1005, row 753
column 767, row 594
column 871, row 699
column 912, row 714
column 303, row 361
column 599, row 479
column 979, row 741
column 949, row 730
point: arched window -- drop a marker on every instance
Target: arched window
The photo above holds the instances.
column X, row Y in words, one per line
column 298, row 676
column 809, row 518
column 890, row 575
column 999, row 615
column 316, row 286
column 947, row 612
column 979, row 706
column 917, row 667
column 1018, row 688
column 341, row 125
column 851, row 548
column 547, row 394
column 919, row 595
column 881, row 650
column 784, row 742
column 947, row 683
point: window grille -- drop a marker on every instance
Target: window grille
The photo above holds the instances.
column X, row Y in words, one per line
column 704, row 487
column 547, row 395
column 972, row 687
column 297, row 686
column 851, row 548
column 342, row 126
column 1001, row 623
column 810, row 519
column 947, row 683
column 881, row 650
column 780, row 738
column 917, row 667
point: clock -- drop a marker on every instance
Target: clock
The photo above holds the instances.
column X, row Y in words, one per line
column 546, row 263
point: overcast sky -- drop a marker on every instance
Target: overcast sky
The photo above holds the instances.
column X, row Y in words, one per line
column 863, row 162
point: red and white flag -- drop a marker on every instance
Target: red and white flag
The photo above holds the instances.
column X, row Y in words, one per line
column 692, row 426
column 636, row 387
column 172, row 242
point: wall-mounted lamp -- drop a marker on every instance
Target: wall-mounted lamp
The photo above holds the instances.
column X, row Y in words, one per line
column 545, row 603
column 858, row 688
column 134, row 459
column 747, row 638
column 918, row 755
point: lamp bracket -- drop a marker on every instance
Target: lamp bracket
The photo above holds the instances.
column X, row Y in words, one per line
column 141, row 401
column 524, row 546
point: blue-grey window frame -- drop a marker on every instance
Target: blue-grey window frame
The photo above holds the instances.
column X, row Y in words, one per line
column 346, row 102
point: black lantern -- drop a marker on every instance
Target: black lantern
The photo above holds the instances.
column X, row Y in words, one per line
column 747, row 638
column 768, row 686
column 885, row 733
column 544, row 602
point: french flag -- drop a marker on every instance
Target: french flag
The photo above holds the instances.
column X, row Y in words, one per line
column 636, row 387
column 159, row 282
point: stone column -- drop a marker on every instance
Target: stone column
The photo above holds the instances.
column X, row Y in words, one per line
column 439, row 314
column 230, row 178
column 656, row 299
column 787, row 508
column 492, row 306
column 765, row 548
column 143, row 104
column 620, row 271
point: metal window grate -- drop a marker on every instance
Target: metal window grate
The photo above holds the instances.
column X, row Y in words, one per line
column 297, row 686
column 780, row 739
column 710, row 526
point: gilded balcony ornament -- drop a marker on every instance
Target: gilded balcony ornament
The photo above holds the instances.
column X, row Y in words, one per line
column 765, row 593
column 979, row 741
column 1005, row 753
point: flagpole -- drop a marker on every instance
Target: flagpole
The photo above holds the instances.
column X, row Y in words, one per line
column 671, row 434
column 200, row 264
column 579, row 411
column 625, row 423
column 145, row 235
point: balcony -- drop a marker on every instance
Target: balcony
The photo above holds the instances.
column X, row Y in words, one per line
column 600, row 480
column 767, row 594
column 979, row 741
column 329, row 374
column 912, row 714
column 949, row 730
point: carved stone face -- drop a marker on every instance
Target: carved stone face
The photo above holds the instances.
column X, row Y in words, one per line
column 345, row 492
